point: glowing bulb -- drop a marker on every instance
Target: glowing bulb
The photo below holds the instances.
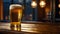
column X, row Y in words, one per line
column 42, row 4
column 33, row 4
column 59, row 5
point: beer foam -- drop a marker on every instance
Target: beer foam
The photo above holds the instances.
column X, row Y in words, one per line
column 13, row 5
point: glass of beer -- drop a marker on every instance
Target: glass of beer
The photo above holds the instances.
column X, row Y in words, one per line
column 15, row 15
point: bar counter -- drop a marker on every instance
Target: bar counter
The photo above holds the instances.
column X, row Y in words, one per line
column 31, row 28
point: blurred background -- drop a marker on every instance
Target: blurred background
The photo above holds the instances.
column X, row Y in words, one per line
column 41, row 16
column 50, row 12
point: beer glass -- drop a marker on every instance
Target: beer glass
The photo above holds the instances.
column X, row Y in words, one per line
column 15, row 15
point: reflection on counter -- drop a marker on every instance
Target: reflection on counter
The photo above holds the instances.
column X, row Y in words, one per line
column 16, row 28
column 34, row 28
column 7, row 26
column 29, row 28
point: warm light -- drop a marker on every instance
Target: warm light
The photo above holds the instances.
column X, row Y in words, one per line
column 42, row 4
column 33, row 4
column 59, row 5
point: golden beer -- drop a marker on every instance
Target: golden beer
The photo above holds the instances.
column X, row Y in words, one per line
column 15, row 15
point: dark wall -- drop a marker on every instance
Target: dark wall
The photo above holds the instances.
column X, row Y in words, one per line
column 57, row 9
column 27, row 11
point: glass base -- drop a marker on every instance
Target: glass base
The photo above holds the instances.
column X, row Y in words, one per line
column 16, row 26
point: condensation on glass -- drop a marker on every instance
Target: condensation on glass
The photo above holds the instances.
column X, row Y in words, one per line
column 15, row 15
